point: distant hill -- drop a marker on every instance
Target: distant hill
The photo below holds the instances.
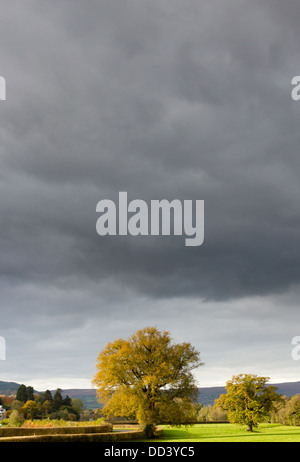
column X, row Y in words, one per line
column 89, row 399
column 207, row 395
column 8, row 388
column 87, row 396
column 288, row 388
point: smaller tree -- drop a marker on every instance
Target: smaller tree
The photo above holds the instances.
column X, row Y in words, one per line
column 77, row 405
column 46, row 396
column 46, row 408
column 248, row 399
column 16, row 405
column 22, row 394
column 294, row 410
column 67, row 401
column 57, row 400
column 25, row 394
column 280, row 414
column 211, row 414
column 16, row 419
column 31, row 410
column 30, row 393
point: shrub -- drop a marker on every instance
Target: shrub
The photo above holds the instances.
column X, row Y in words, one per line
column 16, row 419
column 60, row 423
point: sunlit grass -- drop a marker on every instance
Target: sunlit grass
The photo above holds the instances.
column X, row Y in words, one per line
column 230, row 433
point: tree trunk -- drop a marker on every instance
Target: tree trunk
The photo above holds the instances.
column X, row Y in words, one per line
column 249, row 428
column 148, row 425
column 149, row 430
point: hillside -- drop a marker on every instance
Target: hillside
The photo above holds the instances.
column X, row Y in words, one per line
column 207, row 395
column 8, row 388
column 87, row 396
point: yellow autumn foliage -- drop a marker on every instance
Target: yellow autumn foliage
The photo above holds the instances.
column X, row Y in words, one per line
column 248, row 399
column 148, row 377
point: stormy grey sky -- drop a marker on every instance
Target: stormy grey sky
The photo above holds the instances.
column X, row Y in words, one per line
column 182, row 99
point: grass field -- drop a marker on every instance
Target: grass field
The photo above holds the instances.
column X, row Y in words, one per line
column 230, row 433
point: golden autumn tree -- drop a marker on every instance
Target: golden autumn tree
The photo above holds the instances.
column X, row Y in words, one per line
column 148, row 377
column 31, row 410
column 248, row 399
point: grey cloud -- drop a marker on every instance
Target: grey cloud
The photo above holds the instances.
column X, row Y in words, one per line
column 187, row 100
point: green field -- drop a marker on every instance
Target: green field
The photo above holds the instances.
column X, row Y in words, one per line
column 230, row 433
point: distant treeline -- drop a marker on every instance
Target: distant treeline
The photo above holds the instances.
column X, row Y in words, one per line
column 31, row 405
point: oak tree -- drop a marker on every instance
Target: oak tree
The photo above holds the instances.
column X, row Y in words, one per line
column 148, row 377
column 248, row 399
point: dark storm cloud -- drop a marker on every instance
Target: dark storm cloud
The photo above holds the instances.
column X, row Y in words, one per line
column 181, row 100
column 174, row 99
